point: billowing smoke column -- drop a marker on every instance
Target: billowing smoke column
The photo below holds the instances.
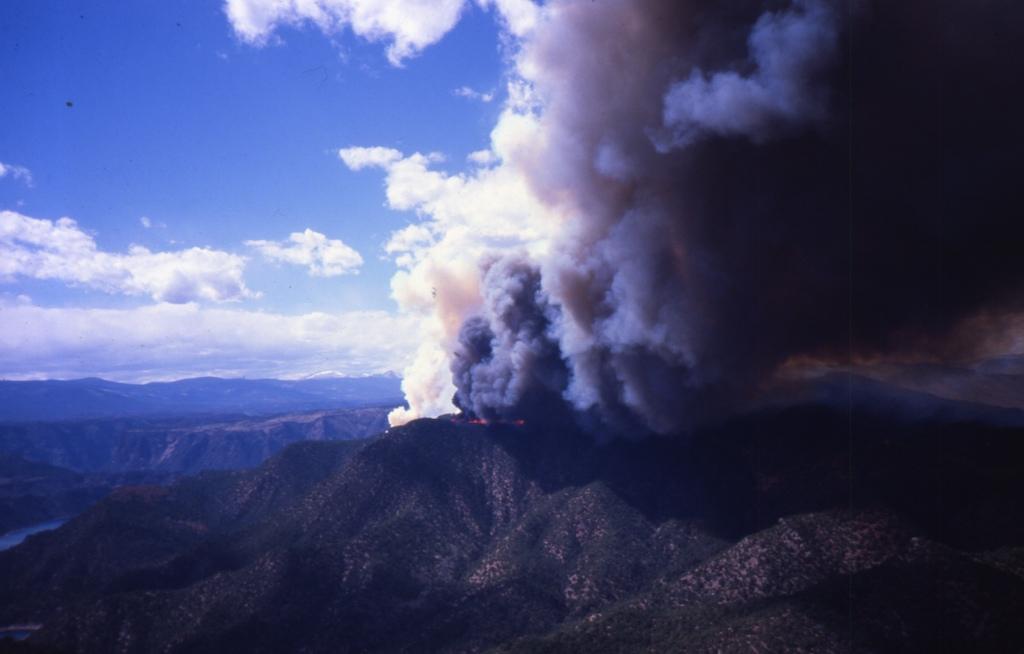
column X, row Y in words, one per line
column 507, row 362
column 735, row 185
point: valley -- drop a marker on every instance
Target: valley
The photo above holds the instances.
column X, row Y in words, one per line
column 54, row 469
column 180, row 445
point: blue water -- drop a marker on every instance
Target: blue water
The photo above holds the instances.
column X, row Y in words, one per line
column 16, row 634
column 12, row 538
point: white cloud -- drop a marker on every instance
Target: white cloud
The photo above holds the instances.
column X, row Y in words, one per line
column 408, row 26
column 358, row 158
column 169, row 341
column 19, row 173
column 325, row 257
column 473, row 94
column 482, row 157
column 149, row 223
column 519, row 17
column 60, row 250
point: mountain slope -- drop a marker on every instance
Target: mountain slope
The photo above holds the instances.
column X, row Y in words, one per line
column 158, row 537
column 445, row 536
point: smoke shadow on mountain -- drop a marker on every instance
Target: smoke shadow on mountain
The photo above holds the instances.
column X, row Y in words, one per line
column 952, row 474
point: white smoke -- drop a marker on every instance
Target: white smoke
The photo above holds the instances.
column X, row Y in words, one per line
column 465, row 218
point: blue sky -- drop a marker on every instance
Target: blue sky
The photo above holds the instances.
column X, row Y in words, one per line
column 172, row 200
column 218, row 141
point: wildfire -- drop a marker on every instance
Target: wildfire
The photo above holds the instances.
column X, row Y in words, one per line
column 483, row 421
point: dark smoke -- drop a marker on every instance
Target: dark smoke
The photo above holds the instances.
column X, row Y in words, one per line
column 508, row 364
column 789, row 53
column 750, row 182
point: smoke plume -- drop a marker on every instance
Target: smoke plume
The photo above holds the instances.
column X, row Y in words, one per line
column 507, row 360
column 704, row 191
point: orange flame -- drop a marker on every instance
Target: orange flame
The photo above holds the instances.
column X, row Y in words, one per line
column 483, row 421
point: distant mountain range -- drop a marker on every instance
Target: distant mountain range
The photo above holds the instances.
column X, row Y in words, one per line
column 812, row 528
column 51, row 400
column 182, row 445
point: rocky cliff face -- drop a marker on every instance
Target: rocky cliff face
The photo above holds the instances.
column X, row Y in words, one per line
column 776, row 531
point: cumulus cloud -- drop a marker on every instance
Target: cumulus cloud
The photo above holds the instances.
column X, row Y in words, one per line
column 323, row 257
column 60, row 250
column 20, row 173
column 408, row 26
column 170, row 341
